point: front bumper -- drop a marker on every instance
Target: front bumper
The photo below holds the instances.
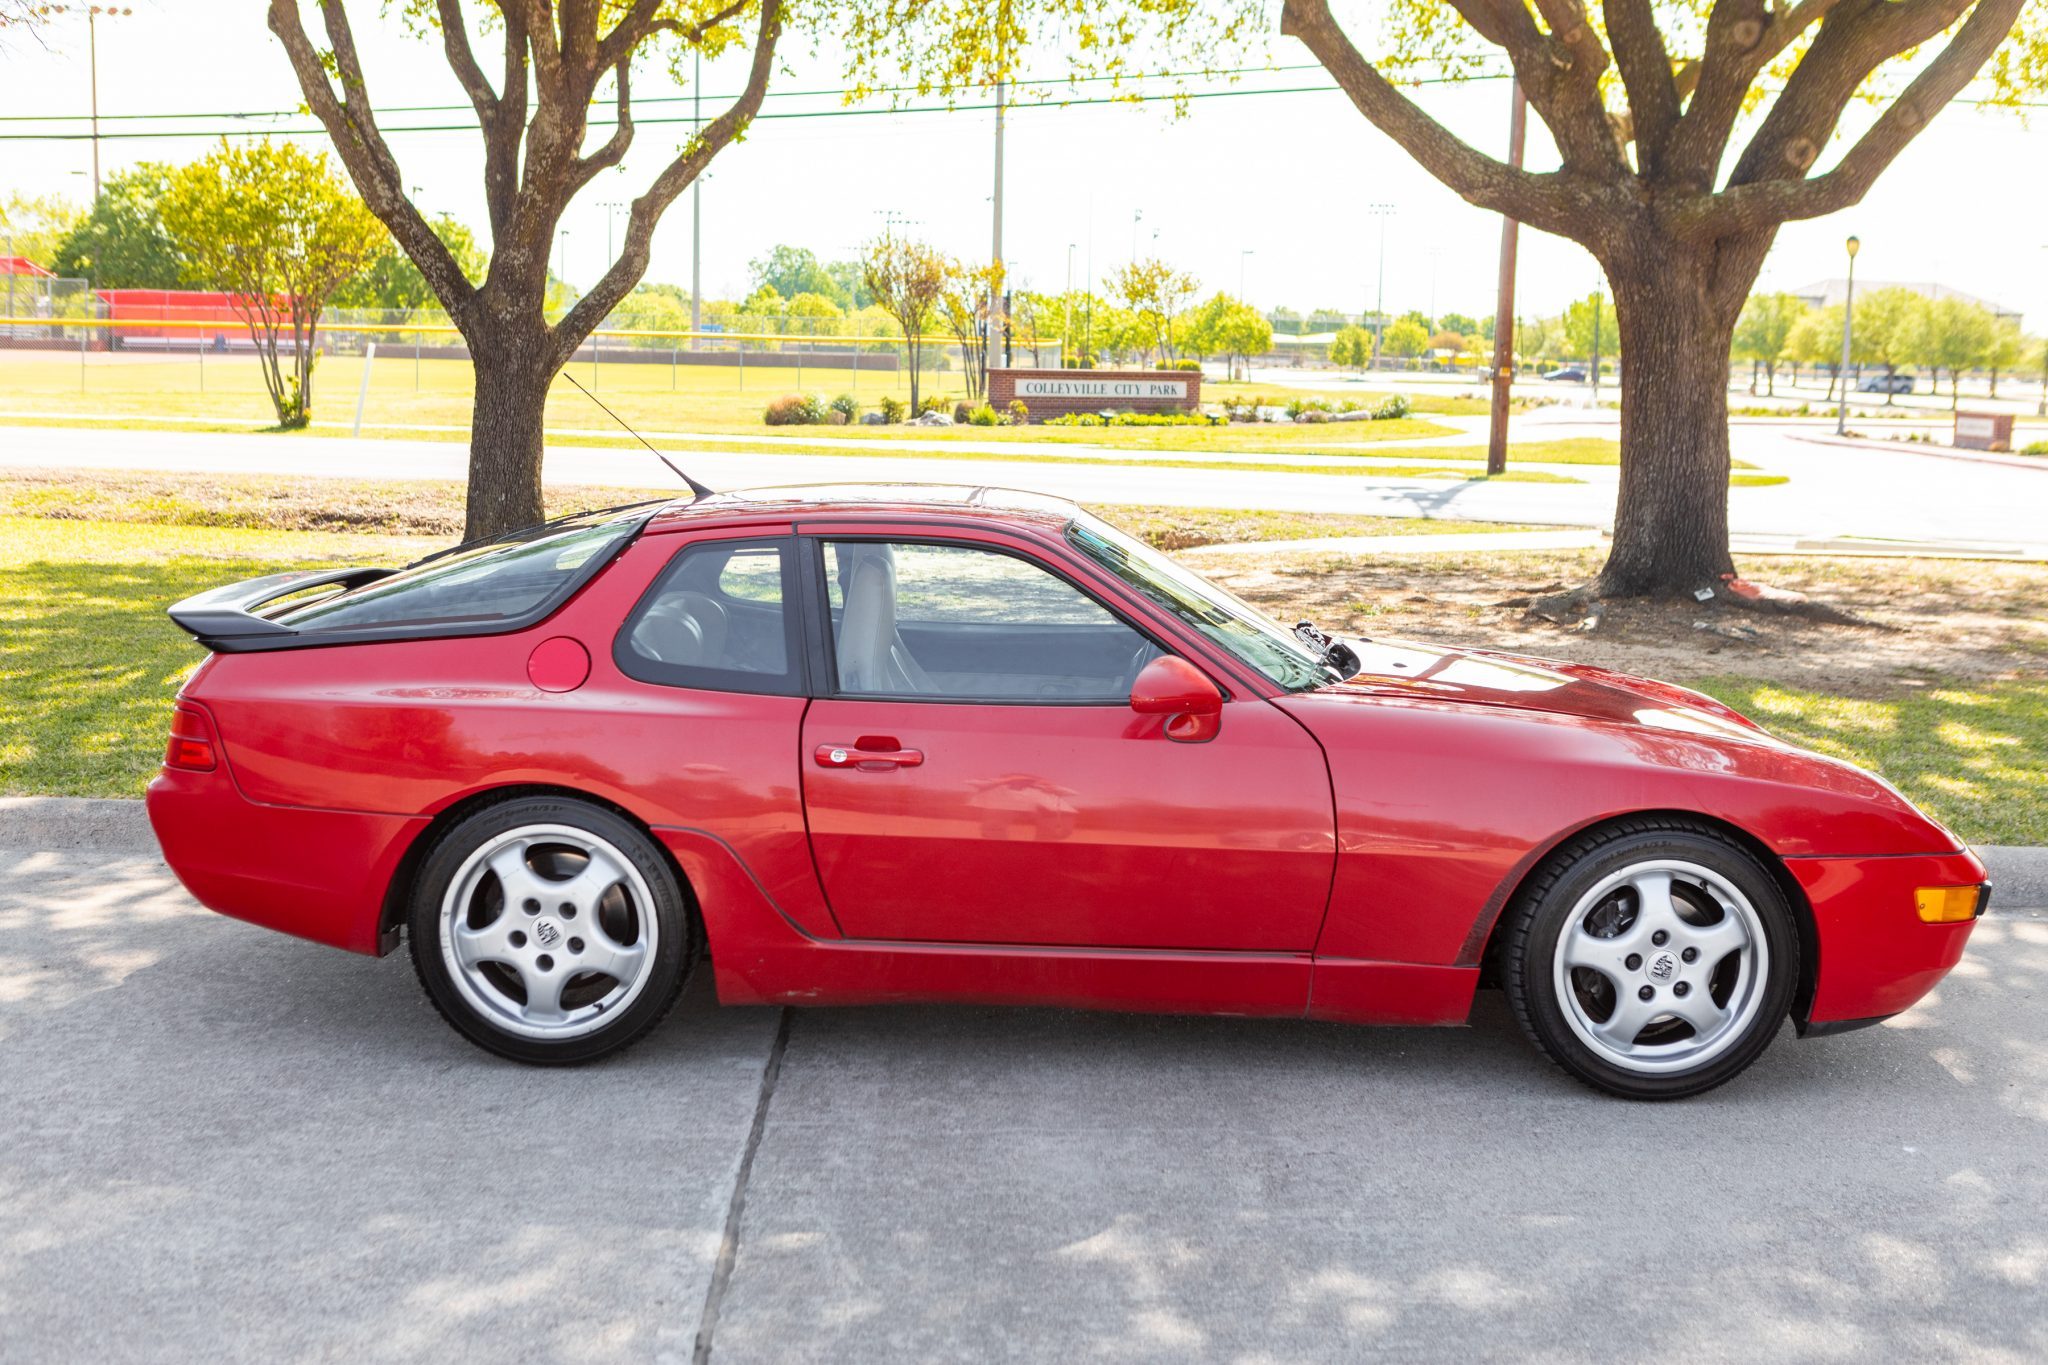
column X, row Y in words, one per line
column 1876, row 956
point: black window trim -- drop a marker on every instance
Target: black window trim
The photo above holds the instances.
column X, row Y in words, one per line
column 326, row 637
column 828, row 666
column 794, row 681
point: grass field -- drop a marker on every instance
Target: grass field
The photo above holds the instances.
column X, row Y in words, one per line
column 225, row 392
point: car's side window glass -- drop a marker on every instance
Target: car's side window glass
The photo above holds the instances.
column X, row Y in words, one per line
column 963, row 623
column 721, row 616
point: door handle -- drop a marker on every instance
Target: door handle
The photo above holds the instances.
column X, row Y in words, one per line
column 867, row 760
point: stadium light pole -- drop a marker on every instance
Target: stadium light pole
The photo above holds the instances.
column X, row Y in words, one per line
column 1242, row 256
column 1853, row 245
column 1379, row 302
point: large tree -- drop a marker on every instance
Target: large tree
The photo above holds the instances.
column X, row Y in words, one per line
column 555, row 61
column 122, row 243
column 1678, row 218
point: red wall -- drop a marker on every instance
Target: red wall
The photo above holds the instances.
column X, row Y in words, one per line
column 170, row 305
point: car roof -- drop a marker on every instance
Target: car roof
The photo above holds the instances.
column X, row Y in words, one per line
column 887, row 501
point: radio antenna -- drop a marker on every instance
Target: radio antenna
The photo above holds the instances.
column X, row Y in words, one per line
column 699, row 489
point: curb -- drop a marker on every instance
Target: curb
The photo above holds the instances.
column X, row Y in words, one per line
column 1921, row 448
column 2019, row 873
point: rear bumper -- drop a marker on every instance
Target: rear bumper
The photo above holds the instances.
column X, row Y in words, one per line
column 1876, row 955
column 315, row 874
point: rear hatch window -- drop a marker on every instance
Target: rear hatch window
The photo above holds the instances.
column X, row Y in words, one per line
column 498, row 584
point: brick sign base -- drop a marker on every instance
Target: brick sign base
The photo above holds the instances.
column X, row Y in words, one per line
column 1055, row 393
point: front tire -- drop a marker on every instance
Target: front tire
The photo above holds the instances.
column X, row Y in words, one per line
column 550, row 930
column 1652, row 960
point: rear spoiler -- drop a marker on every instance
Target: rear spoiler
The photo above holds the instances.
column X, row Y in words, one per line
column 225, row 619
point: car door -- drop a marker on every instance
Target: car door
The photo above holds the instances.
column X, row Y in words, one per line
column 974, row 772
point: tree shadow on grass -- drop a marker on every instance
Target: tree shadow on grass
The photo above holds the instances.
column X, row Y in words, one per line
column 89, row 664
column 1974, row 754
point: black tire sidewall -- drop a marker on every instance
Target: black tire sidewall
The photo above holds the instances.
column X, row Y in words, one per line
column 675, row 950
column 1533, row 991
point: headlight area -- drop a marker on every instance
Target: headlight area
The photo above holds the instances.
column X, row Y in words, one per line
column 1888, row 928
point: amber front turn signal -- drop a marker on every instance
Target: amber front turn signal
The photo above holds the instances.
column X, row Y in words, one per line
column 1947, row 904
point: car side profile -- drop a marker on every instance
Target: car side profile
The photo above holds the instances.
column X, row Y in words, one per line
column 907, row 743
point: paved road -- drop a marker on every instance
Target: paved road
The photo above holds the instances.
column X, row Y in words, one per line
column 1903, row 495
column 218, row 1144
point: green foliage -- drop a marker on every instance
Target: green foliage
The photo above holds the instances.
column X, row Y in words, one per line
column 37, row 225
column 931, row 402
column 650, row 309
column 892, row 409
column 1459, row 323
column 1155, row 293
column 765, row 301
column 1405, row 337
column 982, row 415
column 792, row 270
column 1588, row 320
column 1131, row 419
column 907, row 280
column 1951, row 334
column 795, row 410
column 391, row 281
column 1392, row 408
column 847, row 406
column 278, row 229
column 122, row 243
column 1352, row 346
column 1020, row 413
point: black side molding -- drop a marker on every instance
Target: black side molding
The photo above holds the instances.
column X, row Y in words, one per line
column 222, row 618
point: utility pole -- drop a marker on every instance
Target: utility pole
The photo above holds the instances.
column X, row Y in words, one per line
column 1504, row 303
column 92, row 46
column 696, row 205
column 1848, row 323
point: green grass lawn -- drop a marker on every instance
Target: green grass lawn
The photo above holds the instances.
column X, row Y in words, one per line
column 1973, row 754
column 145, row 391
column 89, row 662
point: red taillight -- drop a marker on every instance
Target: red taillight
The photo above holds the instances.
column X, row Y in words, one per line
column 191, row 745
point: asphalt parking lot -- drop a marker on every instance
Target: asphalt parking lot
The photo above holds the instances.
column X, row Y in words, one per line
column 220, row 1144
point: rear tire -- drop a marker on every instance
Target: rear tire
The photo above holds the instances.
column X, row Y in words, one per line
column 550, row 930
column 1652, row 960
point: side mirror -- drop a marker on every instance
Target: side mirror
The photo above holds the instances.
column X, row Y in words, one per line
column 1172, row 687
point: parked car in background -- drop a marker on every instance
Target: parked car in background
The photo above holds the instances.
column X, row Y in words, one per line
column 1886, row 383
column 1568, row 374
column 908, row 743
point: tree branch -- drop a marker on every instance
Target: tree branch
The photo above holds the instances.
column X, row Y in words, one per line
column 352, row 125
column 1783, row 199
column 1543, row 201
column 461, row 60
column 1645, row 66
column 593, row 307
column 614, row 149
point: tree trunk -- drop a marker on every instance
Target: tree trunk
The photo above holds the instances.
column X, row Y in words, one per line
column 1671, row 520
column 505, row 435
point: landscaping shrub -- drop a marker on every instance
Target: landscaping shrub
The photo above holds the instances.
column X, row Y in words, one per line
column 2035, row 448
column 847, row 406
column 1132, row 419
column 961, row 411
column 931, row 402
column 795, row 410
column 893, row 409
column 981, row 415
column 1020, row 415
column 1392, row 408
column 1193, row 366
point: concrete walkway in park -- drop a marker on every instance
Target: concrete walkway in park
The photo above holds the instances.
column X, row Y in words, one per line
column 219, row 1144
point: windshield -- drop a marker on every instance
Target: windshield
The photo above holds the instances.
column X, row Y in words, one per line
column 490, row 584
column 1236, row 626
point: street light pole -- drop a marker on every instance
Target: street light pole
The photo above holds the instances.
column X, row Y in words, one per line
column 1379, row 303
column 1848, row 322
column 1067, row 310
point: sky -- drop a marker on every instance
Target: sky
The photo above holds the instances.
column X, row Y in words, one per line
column 1271, row 194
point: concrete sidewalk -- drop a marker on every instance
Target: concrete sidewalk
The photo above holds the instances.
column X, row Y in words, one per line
column 222, row 1145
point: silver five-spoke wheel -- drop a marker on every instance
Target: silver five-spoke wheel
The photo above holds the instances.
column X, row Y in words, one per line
column 1654, row 957
column 547, row 931
column 1660, row 966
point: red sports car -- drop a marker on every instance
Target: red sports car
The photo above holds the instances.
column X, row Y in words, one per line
column 912, row 744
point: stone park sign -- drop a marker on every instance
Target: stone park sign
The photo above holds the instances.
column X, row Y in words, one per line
column 1054, row 393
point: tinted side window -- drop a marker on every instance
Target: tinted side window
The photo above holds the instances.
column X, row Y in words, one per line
column 722, row 616
column 961, row 623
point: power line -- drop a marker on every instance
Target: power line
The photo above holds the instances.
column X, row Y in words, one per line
column 317, row 130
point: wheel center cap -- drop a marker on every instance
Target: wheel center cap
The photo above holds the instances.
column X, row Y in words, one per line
column 547, row 933
column 1662, row 967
